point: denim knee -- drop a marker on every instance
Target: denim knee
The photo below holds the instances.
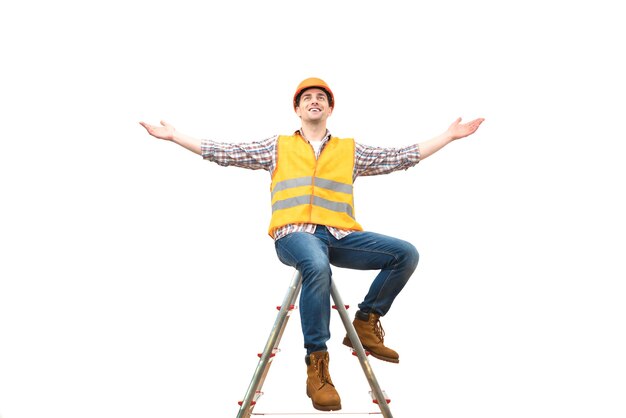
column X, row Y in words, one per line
column 409, row 256
column 315, row 269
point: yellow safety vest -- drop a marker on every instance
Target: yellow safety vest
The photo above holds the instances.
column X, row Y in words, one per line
column 309, row 190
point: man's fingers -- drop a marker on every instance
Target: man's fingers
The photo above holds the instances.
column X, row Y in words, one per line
column 145, row 125
column 476, row 123
column 473, row 125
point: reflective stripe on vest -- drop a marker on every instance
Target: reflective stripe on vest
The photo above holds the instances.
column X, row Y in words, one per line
column 308, row 181
column 317, row 201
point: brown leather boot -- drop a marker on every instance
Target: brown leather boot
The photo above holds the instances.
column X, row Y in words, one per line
column 371, row 335
column 319, row 386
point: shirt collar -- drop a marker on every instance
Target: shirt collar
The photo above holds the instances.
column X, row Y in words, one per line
column 326, row 138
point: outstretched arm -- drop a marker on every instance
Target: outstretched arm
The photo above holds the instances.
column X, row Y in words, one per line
column 169, row 133
column 455, row 131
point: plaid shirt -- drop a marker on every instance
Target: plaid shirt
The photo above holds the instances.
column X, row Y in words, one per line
column 261, row 155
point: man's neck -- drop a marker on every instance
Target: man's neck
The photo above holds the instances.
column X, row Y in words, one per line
column 314, row 132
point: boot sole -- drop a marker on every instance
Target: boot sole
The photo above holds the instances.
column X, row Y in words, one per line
column 323, row 407
column 347, row 342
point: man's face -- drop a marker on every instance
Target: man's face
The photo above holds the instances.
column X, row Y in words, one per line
column 314, row 105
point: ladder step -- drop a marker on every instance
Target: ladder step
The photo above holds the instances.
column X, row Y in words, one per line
column 274, row 352
column 291, row 307
column 345, row 306
column 256, row 396
column 376, row 400
column 367, row 353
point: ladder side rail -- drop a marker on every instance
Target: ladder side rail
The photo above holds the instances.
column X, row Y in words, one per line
column 292, row 300
column 289, row 301
column 358, row 347
column 272, row 342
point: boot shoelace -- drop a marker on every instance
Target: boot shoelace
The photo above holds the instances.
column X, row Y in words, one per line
column 321, row 367
column 378, row 330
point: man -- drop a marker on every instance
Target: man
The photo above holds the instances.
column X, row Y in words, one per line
column 313, row 223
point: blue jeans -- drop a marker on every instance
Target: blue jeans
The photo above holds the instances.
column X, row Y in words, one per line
column 312, row 255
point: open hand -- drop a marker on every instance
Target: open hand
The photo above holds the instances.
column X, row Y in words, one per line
column 460, row 130
column 165, row 131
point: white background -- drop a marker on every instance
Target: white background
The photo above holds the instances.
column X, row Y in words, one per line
column 137, row 280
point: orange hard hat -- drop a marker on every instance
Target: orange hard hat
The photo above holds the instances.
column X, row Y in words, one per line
column 310, row 83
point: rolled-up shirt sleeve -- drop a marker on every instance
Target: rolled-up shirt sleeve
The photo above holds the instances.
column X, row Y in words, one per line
column 371, row 161
column 256, row 155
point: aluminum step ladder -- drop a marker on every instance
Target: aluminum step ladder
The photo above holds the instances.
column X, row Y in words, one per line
column 271, row 348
